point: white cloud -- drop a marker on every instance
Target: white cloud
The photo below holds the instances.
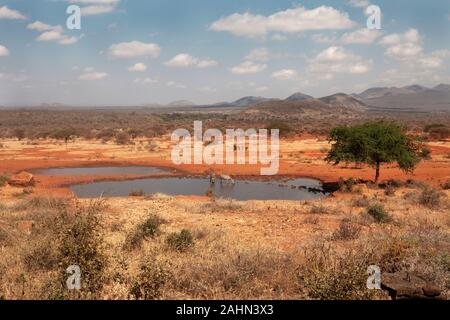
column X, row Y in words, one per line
column 93, row 76
column 248, row 67
column 289, row 21
column 144, row 81
column 285, row 74
column 339, row 60
column 138, row 67
column 10, row 14
column 52, row 33
column 408, row 48
column 96, row 7
column 359, row 3
column 403, row 46
column 207, row 89
column 40, row 26
column 262, row 89
column 176, row 85
column 96, row 10
column 361, row 36
column 4, row 51
column 279, row 37
column 260, row 54
column 321, row 38
column 206, row 63
column 134, row 49
column 184, row 60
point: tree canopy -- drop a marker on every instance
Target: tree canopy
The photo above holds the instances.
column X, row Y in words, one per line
column 374, row 143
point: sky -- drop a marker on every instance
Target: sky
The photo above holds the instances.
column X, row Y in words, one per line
column 134, row 52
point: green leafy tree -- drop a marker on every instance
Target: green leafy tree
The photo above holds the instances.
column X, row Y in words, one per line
column 374, row 143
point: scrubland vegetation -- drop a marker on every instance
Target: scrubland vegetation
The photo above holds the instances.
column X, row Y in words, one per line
column 156, row 251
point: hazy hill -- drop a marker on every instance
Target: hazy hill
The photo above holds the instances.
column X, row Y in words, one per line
column 298, row 96
column 409, row 98
column 343, row 100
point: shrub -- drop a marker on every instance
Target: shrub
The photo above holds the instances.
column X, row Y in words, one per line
column 329, row 275
column 285, row 128
column 425, row 153
column 149, row 282
column 4, row 179
column 80, row 243
column 43, row 257
column 446, row 185
column 361, row 203
column 318, row 209
column 415, row 184
column 123, row 138
column 180, row 241
column 137, row 193
column 148, row 229
column 378, row 213
column 347, row 185
column 430, row 198
column 346, row 231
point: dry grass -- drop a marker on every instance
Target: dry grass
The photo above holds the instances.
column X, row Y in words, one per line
column 234, row 250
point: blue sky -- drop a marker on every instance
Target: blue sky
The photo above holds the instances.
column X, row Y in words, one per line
column 133, row 52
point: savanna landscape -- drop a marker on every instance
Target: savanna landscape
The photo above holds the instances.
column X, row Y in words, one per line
column 160, row 246
column 254, row 152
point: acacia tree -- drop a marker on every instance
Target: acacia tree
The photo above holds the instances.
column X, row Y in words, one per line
column 374, row 143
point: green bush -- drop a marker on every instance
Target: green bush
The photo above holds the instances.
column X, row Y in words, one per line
column 148, row 229
column 378, row 213
column 180, row 241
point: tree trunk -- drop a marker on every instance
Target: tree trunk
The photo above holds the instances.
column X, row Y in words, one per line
column 377, row 175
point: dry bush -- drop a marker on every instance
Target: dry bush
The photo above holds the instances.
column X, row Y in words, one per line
column 80, row 243
column 361, row 202
column 330, row 275
column 4, row 179
column 123, row 138
column 346, row 231
column 430, row 198
column 150, row 280
column 319, row 209
column 311, row 220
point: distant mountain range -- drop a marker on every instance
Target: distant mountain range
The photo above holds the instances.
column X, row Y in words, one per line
column 405, row 99
column 413, row 98
column 409, row 98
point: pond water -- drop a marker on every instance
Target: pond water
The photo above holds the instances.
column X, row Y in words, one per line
column 138, row 170
column 294, row 189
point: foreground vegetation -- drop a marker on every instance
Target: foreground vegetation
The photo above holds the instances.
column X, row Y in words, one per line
column 165, row 249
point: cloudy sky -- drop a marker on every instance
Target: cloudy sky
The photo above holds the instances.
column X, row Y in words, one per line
column 133, row 52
